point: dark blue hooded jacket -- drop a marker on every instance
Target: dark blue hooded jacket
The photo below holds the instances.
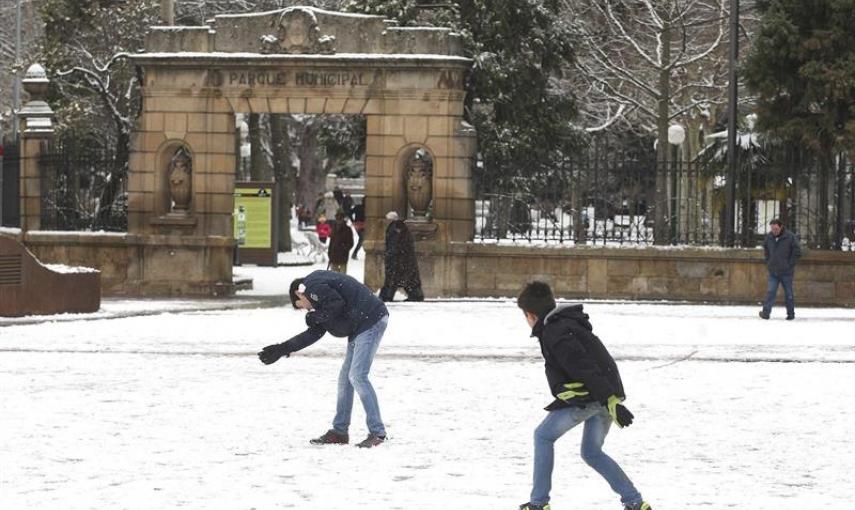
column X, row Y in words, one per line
column 342, row 306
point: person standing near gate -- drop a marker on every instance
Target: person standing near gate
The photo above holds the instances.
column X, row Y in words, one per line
column 781, row 250
column 341, row 242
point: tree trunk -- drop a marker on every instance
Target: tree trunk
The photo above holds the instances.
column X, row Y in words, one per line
column 117, row 177
column 311, row 179
column 261, row 165
column 284, row 173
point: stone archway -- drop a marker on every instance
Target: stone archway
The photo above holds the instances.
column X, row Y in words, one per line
column 407, row 82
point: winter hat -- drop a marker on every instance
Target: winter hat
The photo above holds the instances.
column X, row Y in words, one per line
column 391, row 215
column 536, row 298
column 296, row 286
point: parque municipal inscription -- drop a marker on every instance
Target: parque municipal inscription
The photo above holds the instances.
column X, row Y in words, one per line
column 261, row 78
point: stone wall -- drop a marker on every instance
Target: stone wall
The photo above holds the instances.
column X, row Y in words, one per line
column 142, row 265
column 690, row 274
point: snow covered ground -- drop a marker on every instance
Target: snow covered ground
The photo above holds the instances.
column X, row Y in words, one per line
column 165, row 405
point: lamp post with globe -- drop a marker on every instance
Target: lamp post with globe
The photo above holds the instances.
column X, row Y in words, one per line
column 676, row 136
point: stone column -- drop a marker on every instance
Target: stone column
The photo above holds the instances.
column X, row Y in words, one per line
column 37, row 132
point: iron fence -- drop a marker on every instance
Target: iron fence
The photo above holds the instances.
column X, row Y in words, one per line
column 605, row 197
column 83, row 187
column 10, row 169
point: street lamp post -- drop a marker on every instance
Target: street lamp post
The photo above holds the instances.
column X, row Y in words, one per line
column 676, row 136
column 16, row 88
column 733, row 111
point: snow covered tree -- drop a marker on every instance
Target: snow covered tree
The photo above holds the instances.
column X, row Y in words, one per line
column 94, row 87
column 648, row 63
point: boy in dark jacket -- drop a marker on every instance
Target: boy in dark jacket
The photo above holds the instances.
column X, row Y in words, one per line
column 342, row 306
column 585, row 382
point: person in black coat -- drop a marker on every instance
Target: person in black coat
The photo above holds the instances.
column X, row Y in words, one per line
column 586, row 385
column 781, row 251
column 340, row 305
column 401, row 267
column 357, row 215
column 341, row 241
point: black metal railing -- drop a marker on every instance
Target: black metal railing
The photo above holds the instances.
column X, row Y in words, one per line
column 83, row 187
column 609, row 198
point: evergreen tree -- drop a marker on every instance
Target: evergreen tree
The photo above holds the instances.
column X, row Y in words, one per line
column 802, row 68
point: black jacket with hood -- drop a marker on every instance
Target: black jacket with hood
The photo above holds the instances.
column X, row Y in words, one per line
column 574, row 354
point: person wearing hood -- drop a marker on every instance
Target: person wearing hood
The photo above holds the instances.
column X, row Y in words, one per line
column 781, row 251
column 401, row 269
column 586, row 385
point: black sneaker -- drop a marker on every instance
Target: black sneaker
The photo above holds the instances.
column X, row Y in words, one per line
column 331, row 437
column 371, row 441
column 529, row 506
column 764, row 315
column 791, row 317
column 644, row 505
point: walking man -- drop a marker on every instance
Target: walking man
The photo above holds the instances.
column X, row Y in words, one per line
column 587, row 387
column 781, row 250
column 338, row 304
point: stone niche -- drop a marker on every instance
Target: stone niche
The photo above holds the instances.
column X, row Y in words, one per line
column 174, row 188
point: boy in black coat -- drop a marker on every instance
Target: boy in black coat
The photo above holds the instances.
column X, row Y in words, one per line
column 585, row 382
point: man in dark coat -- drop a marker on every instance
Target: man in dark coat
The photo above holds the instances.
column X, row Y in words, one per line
column 781, row 250
column 357, row 215
column 587, row 387
column 342, row 306
column 402, row 270
column 341, row 241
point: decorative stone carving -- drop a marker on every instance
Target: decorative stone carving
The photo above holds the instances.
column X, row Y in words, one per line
column 420, row 183
column 180, row 168
column 298, row 32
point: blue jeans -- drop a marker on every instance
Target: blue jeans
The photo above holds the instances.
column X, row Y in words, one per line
column 597, row 422
column 354, row 376
column 785, row 280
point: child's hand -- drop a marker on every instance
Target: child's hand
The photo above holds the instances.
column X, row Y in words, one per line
column 619, row 413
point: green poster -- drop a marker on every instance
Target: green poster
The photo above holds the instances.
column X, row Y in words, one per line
column 253, row 216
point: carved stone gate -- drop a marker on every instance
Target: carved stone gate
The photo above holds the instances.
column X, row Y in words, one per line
column 408, row 82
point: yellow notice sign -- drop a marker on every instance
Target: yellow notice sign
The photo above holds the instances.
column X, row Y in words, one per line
column 253, row 216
